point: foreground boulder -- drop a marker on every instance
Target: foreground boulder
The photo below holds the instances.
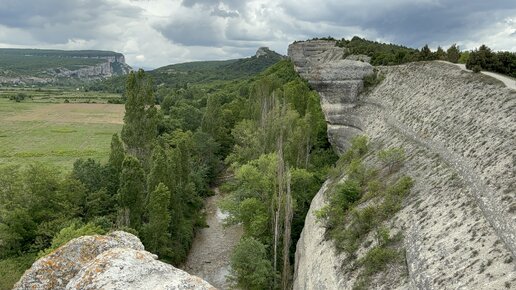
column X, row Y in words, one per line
column 114, row 261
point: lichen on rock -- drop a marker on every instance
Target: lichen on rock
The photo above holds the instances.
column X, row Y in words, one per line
column 114, row 261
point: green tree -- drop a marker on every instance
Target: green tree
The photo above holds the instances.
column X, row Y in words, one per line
column 250, row 268
column 426, row 53
column 440, row 54
column 131, row 194
column 117, row 153
column 159, row 172
column 453, row 53
column 140, row 120
column 155, row 233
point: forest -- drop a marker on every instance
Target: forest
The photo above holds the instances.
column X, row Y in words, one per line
column 267, row 131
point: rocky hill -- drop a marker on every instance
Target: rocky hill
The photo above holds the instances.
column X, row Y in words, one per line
column 114, row 261
column 41, row 66
column 200, row 72
column 458, row 131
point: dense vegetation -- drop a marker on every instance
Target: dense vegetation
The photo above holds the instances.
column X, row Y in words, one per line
column 195, row 73
column 280, row 158
column 163, row 163
column 483, row 58
column 360, row 203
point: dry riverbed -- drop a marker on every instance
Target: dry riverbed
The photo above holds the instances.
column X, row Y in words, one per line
column 210, row 255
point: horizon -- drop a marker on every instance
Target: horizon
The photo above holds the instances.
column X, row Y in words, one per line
column 155, row 33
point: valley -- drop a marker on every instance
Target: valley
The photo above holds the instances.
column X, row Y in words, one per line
column 349, row 164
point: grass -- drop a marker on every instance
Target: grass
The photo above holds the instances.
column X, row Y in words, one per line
column 59, row 95
column 56, row 133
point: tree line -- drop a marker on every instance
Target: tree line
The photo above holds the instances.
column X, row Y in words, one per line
column 483, row 58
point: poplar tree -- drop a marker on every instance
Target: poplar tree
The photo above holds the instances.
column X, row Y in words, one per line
column 117, row 153
column 158, row 171
column 131, row 194
column 155, row 232
column 141, row 117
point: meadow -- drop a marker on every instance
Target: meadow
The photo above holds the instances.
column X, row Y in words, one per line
column 47, row 129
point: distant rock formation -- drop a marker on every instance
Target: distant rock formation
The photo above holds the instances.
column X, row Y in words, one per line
column 458, row 131
column 114, row 261
column 54, row 66
column 266, row 52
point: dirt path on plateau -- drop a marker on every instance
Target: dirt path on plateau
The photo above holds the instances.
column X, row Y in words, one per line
column 210, row 255
column 508, row 81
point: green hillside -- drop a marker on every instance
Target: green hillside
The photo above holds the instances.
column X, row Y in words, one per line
column 199, row 72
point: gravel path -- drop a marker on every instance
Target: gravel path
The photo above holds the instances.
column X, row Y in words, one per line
column 210, row 255
column 508, row 81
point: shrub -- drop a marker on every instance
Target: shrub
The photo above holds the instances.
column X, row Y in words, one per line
column 372, row 80
column 377, row 259
column 392, row 158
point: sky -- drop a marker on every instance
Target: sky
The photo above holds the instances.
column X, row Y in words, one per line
column 154, row 33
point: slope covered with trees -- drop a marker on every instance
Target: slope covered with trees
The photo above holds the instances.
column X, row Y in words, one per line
column 199, row 72
column 268, row 129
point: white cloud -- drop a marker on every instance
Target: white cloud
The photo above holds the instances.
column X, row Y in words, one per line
column 154, row 33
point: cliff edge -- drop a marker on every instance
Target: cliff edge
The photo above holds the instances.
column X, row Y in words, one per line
column 114, row 261
column 458, row 131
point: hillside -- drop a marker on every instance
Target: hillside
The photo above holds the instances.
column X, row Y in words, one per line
column 453, row 132
column 42, row 66
column 200, row 72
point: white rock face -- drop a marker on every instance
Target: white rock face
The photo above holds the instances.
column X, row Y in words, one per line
column 114, row 261
column 130, row 269
column 338, row 81
column 458, row 130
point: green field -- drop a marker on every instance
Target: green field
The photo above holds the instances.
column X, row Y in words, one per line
column 58, row 95
column 46, row 130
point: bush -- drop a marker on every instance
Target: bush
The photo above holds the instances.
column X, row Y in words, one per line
column 392, row 158
column 73, row 231
column 476, row 69
column 372, row 80
column 377, row 259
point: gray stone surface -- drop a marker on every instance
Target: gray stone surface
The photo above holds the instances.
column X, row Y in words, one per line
column 114, row 261
column 459, row 223
column 338, row 81
column 129, row 269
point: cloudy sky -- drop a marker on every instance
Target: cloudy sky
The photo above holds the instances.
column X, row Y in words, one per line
column 153, row 33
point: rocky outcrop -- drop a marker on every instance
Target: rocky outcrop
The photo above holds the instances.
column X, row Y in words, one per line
column 114, row 261
column 53, row 71
column 458, row 130
column 338, row 81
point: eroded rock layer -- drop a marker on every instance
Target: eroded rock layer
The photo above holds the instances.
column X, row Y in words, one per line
column 458, row 130
column 114, row 261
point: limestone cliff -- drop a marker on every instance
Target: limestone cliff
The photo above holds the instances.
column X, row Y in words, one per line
column 35, row 66
column 459, row 133
column 114, row 261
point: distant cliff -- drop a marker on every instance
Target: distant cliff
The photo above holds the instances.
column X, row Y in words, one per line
column 35, row 66
column 114, row 261
column 458, row 130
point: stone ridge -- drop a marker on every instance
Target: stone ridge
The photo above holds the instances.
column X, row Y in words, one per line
column 114, row 261
column 459, row 223
column 338, row 81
